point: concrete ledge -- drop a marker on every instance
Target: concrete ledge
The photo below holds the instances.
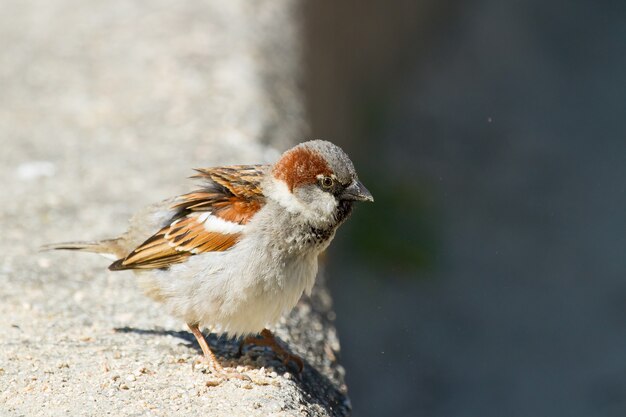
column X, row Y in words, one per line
column 106, row 107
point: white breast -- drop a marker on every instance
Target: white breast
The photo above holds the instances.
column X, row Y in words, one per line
column 239, row 291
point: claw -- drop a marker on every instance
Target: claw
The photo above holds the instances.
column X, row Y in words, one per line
column 268, row 339
column 295, row 359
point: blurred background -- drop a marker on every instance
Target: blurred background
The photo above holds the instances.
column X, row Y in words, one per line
column 489, row 277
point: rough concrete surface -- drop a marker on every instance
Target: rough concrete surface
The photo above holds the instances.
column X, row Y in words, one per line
column 105, row 108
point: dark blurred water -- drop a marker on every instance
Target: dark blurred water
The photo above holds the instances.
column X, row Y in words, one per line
column 503, row 127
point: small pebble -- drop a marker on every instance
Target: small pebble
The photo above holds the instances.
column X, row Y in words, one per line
column 212, row 383
column 31, row 170
column 43, row 263
column 141, row 371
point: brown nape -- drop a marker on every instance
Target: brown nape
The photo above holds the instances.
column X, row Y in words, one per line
column 300, row 166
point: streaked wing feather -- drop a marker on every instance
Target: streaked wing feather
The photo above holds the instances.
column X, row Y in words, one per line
column 241, row 180
column 164, row 249
column 238, row 185
column 232, row 194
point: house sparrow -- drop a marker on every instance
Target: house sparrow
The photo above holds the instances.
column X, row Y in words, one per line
column 238, row 253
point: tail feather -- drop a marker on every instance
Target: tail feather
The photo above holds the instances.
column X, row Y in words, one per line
column 107, row 248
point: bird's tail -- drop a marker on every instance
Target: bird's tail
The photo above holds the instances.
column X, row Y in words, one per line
column 109, row 248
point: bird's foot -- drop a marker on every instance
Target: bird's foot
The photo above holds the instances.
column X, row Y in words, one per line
column 219, row 377
column 211, row 361
column 218, row 372
column 268, row 339
column 295, row 359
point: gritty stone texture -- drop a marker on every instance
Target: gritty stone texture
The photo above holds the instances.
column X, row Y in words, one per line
column 105, row 108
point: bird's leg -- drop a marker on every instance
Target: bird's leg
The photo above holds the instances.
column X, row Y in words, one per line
column 268, row 339
column 204, row 345
column 210, row 356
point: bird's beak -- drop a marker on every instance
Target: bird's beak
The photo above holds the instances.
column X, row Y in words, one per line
column 356, row 192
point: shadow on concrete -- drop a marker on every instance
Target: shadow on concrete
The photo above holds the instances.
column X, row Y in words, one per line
column 311, row 382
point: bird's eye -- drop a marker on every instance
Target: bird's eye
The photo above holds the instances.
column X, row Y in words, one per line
column 326, row 182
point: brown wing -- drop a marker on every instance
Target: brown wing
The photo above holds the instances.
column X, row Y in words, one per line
column 232, row 193
column 207, row 220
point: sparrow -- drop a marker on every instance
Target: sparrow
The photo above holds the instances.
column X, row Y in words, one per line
column 238, row 253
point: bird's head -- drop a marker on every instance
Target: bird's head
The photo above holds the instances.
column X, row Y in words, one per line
column 317, row 180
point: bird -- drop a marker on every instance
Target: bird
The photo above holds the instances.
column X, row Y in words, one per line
column 238, row 253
